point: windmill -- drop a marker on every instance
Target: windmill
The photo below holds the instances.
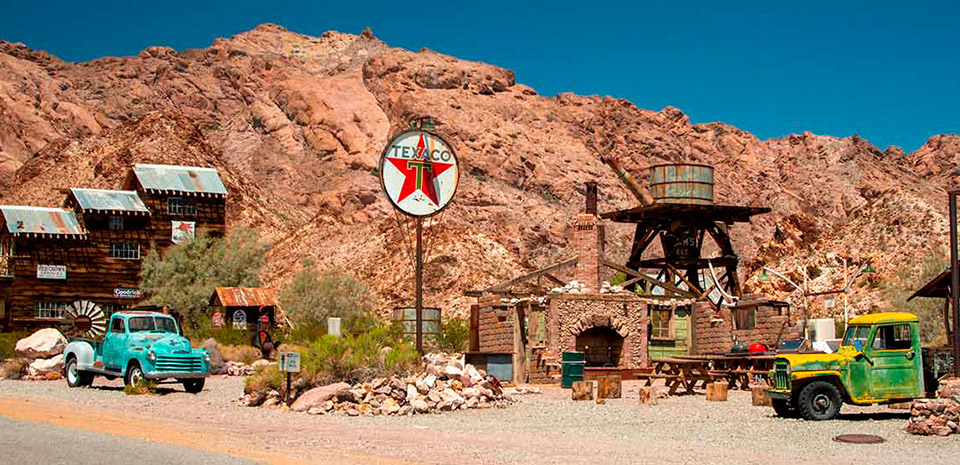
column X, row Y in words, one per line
column 89, row 320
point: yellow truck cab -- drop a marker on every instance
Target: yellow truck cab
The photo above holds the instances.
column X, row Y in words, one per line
column 878, row 362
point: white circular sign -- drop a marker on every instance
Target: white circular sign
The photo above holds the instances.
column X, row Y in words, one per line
column 419, row 172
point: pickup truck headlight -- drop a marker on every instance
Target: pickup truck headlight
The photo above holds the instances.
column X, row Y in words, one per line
column 206, row 357
column 152, row 356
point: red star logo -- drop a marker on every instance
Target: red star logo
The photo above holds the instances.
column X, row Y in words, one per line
column 420, row 173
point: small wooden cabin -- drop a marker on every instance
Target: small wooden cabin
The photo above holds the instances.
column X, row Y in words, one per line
column 241, row 307
column 91, row 250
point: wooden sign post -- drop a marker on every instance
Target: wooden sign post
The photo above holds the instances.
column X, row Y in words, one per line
column 288, row 362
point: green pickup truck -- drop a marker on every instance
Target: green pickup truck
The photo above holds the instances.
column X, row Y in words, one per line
column 137, row 346
column 879, row 362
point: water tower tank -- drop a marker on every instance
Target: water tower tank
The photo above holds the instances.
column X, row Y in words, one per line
column 689, row 183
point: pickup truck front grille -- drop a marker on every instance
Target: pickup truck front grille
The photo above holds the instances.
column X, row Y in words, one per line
column 179, row 363
column 781, row 377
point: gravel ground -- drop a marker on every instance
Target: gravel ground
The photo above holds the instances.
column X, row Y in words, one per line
column 542, row 428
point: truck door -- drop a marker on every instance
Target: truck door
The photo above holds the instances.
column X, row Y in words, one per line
column 113, row 344
column 896, row 371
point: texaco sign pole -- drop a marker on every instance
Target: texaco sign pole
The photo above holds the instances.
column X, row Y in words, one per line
column 419, row 173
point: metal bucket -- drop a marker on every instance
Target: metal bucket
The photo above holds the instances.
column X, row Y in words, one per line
column 688, row 183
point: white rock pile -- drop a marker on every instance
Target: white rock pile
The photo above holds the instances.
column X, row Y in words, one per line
column 43, row 350
column 576, row 287
column 236, row 369
column 445, row 385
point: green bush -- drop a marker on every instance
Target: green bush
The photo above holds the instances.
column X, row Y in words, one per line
column 145, row 386
column 312, row 297
column 265, row 378
column 358, row 358
column 8, row 342
column 453, row 336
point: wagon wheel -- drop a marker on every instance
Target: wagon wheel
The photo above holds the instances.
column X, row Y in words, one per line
column 88, row 319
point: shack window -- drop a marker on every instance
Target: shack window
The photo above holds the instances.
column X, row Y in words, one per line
column 181, row 206
column 6, row 257
column 47, row 309
column 745, row 318
column 892, row 337
column 127, row 250
column 661, row 323
column 116, row 223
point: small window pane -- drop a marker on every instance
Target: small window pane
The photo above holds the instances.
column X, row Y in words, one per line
column 181, row 206
column 117, row 326
column 893, row 337
column 47, row 309
column 116, row 223
column 660, row 323
column 128, row 250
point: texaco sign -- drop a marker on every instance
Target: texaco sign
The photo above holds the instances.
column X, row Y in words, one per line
column 419, row 173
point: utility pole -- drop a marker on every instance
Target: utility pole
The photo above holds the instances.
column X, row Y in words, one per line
column 419, row 291
column 954, row 283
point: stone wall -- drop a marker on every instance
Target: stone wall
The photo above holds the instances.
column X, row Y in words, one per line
column 571, row 314
column 496, row 328
column 714, row 331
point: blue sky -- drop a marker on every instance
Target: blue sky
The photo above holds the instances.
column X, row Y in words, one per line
column 884, row 70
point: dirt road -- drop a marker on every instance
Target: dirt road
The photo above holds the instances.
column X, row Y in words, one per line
column 543, row 428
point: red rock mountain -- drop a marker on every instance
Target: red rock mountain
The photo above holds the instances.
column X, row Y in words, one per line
column 296, row 124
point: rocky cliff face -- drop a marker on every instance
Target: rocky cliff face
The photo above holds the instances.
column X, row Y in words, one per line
column 296, row 125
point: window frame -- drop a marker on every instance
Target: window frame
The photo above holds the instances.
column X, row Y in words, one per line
column 123, row 253
column 115, row 223
column 750, row 316
column 878, row 334
column 51, row 307
column 181, row 206
column 670, row 327
column 113, row 326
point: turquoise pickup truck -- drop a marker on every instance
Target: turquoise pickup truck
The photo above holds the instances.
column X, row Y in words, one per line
column 137, row 346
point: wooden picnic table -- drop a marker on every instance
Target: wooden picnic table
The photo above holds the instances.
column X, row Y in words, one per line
column 686, row 371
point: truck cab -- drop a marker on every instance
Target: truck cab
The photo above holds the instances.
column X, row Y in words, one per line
column 879, row 361
column 137, row 346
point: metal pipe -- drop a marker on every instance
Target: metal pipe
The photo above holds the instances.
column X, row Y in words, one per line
column 954, row 283
column 628, row 180
column 419, row 290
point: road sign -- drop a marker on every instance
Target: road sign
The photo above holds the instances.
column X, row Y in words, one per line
column 419, row 173
column 289, row 362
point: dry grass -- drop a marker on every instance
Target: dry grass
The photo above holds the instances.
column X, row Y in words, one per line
column 245, row 354
column 15, row 368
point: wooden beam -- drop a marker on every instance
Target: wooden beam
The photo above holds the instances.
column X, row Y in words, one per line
column 635, row 274
column 529, row 276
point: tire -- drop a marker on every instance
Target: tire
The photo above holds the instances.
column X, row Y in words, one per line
column 134, row 375
column 783, row 408
column 76, row 377
column 193, row 386
column 819, row 400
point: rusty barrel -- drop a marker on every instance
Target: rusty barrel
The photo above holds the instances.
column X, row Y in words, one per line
column 689, row 183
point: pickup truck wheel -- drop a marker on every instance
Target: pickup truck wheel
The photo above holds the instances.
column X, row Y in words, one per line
column 76, row 377
column 193, row 386
column 783, row 408
column 134, row 375
column 819, row 400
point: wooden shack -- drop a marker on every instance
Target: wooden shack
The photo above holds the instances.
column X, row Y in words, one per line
column 241, row 307
column 89, row 252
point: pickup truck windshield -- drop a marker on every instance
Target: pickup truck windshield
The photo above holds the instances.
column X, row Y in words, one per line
column 149, row 323
column 856, row 333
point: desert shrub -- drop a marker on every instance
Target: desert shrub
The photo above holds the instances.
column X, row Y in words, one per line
column 453, row 336
column 145, row 386
column 312, row 297
column 240, row 353
column 378, row 352
column 8, row 342
column 186, row 274
column 905, row 281
column 265, row 378
column 14, row 368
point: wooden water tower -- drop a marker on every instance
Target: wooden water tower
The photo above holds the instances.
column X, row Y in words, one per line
column 679, row 211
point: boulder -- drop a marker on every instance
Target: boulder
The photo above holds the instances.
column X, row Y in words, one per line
column 216, row 360
column 420, row 406
column 44, row 343
column 41, row 366
column 317, row 396
column 412, row 392
column 389, row 407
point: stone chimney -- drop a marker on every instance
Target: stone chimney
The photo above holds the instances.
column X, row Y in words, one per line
column 588, row 240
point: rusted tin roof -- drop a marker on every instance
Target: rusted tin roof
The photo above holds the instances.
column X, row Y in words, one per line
column 41, row 220
column 243, row 297
column 109, row 200
column 188, row 179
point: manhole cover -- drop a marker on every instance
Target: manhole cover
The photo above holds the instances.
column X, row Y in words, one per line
column 859, row 438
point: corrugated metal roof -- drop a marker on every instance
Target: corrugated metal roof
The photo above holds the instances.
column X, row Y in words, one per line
column 243, row 297
column 109, row 200
column 40, row 220
column 180, row 179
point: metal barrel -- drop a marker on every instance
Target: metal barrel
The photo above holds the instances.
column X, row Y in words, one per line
column 571, row 368
column 689, row 183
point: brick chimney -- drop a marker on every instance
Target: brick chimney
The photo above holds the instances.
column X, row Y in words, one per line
column 588, row 241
